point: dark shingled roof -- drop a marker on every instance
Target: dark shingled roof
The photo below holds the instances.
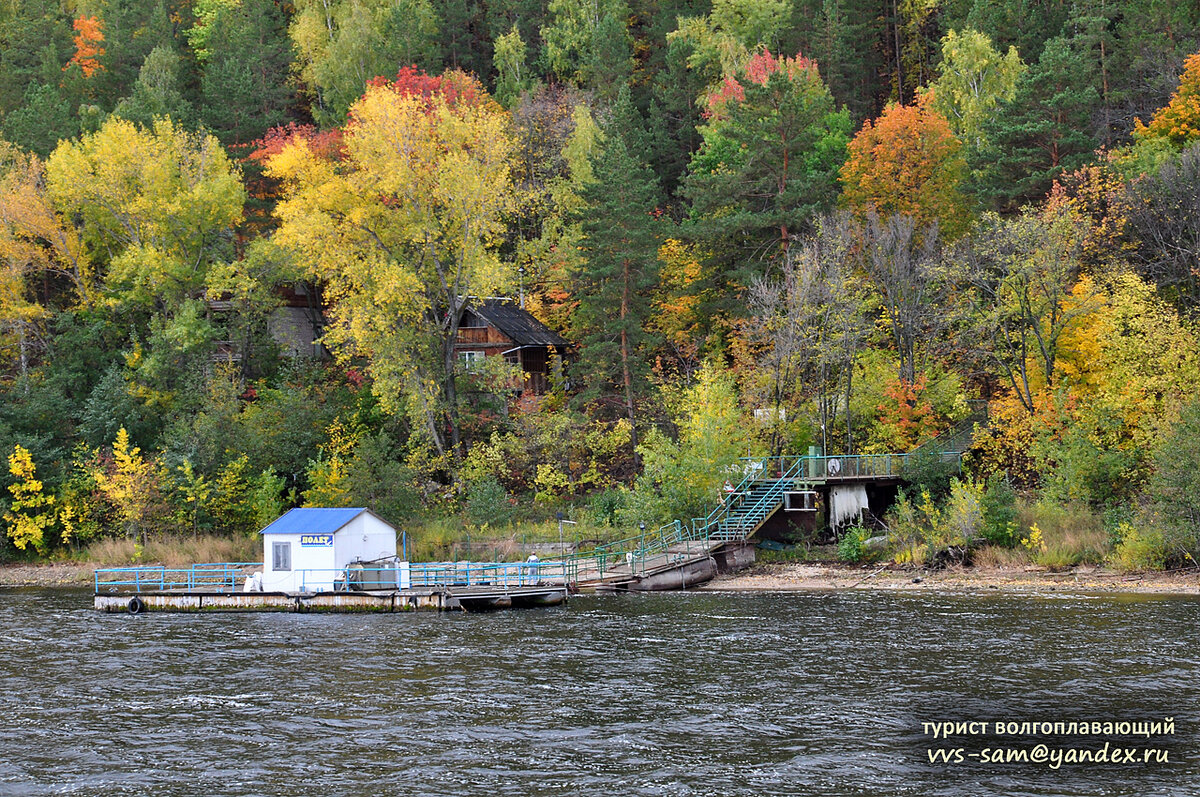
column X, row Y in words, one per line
column 524, row 329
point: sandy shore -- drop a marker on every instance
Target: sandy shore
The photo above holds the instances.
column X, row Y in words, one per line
column 795, row 577
column 815, row 576
column 52, row 575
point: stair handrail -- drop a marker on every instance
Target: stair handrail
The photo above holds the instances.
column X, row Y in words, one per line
column 727, row 502
column 978, row 415
column 774, row 495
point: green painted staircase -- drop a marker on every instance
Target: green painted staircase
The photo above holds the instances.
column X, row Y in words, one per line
column 743, row 511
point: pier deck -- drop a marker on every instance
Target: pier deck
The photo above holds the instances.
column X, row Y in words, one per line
column 429, row 599
column 433, row 587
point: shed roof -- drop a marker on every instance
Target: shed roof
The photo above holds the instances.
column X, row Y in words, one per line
column 512, row 320
column 313, row 520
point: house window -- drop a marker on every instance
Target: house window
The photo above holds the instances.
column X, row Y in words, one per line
column 471, row 360
column 281, row 556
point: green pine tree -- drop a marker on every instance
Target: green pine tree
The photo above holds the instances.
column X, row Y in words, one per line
column 768, row 166
column 622, row 233
column 156, row 93
column 1043, row 132
column 245, row 86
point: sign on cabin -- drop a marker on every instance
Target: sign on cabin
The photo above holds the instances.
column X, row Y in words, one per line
column 308, row 549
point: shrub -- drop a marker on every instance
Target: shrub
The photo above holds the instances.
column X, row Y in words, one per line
column 999, row 506
column 927, row 472
column 1101, row 475
column 1116, row 520
column 1175, row 486
column 1139, row 550
column 605, row 506
column 852, row 546
column 487, row 503
column 962, row 517
column 926, row 533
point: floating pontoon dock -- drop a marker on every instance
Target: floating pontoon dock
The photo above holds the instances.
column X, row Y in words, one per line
column 401, row 587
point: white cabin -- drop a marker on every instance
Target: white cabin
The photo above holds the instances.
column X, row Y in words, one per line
column 309, row 549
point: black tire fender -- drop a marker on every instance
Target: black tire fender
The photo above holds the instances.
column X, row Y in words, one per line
column 136, row 605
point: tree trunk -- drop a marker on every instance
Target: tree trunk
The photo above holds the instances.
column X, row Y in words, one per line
column 626, row 355
column 24, row 357
column 849, row 383
column 449, row 389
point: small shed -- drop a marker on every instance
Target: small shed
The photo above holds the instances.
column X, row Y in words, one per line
column 308, row 549
column 502, row 328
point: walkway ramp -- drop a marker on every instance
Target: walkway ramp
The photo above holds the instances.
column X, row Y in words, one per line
column 769, row 484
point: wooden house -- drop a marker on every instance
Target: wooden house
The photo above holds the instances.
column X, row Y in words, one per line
column 502, row 328
column 296, row 325
column 299, row 322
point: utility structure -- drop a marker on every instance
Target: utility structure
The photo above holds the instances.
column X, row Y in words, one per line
column 773, row 491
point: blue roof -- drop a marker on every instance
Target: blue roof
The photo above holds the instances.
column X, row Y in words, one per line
column 312, row 520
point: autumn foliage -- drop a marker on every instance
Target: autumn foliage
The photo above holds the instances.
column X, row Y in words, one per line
column 325, row 143
column 908, row 161
column 1179, row 121
column 758, row 70
column 453, row 86
column 89, row 38
column 906, row 416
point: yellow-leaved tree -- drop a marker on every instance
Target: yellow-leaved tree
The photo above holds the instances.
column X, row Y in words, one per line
column 129, row 482
column 34, row 242
column 157, row 206
column 329, row 473
column 404, row 230
column 31, row 511
column 682, row 479
column 1178, row 122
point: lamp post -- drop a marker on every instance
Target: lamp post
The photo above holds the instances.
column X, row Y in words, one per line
column 562, row 547
column 521, row 289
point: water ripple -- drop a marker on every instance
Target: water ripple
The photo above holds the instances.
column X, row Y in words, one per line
column 677, row 694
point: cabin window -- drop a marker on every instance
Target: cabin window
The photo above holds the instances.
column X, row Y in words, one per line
column 281, row 556
column 472, row 321
column 471, row 360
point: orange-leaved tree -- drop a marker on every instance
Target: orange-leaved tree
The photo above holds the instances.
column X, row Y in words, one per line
column 1179, row 120
column 908, row 161
column 89, row 38
column 906, row 416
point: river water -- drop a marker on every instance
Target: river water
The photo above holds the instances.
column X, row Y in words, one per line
column 669, row 694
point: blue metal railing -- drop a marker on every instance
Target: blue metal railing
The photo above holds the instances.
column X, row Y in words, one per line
column 218, row 576
column 496, row 574
column 508, row 575
column 228, row 576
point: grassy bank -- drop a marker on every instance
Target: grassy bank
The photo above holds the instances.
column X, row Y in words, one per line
column 172, row 551
column 1068, row 535
column 451, row 538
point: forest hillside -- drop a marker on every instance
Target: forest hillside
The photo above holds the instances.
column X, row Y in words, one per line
column 242, row 243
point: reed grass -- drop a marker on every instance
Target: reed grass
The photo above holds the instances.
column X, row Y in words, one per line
column 1072, row 534
column 452, row 538
column 174, row 550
